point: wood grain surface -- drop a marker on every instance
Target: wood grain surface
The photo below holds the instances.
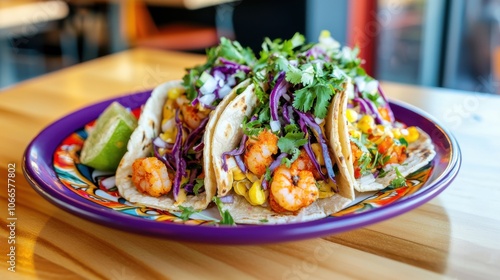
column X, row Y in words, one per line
column 455, row 235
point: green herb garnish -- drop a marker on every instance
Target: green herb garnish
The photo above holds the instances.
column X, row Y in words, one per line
column 227, row 219
column 187, row 212
column 399, row 181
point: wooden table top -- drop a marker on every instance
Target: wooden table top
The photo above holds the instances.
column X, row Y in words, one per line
column 455, row 235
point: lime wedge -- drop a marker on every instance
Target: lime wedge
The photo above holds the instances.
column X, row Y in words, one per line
column 107, row 142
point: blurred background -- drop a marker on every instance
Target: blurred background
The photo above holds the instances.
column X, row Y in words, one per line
column 440, row 43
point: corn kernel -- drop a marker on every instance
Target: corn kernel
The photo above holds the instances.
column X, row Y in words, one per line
column 238, row 175
column 252, row 177
column 256, row 194
column 412, row 134
column 169, row 136
column 168, row 110
column 366, row 123
column 355, row 134
column 397, row 133
column 325, row 190
column 181, row 197
column 351, row 115
column 241, row 187
column 174, row 93
column 316, row 147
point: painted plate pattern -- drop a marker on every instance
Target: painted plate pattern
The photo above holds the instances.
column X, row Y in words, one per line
column 51, row 164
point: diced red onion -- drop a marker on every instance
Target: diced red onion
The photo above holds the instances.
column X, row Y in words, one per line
column 275, row 125
column 209, row 86
column 207, row 99
column 224, row 91
column 228, row 199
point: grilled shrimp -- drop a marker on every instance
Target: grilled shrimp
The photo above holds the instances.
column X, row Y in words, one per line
column 293, row 189
column 304, row 162
column 192, row 116
column 150, row 176
column 258, row 153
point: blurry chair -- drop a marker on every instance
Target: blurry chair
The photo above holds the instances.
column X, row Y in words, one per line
column 140, row 30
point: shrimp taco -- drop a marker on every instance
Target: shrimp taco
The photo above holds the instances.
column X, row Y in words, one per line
column 165, row 163
column 271, row 155
column 378, row 150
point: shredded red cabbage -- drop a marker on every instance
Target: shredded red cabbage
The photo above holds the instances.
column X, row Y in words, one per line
column 235, row 65
column 308, row 148
column 163, row 158
column 363, row 107
column 236, row 152
column 195, row 135
column 180, row 164
column 375, row 112
column 279, row 89
column 309, row 121
column 240, row 163
column 199, row 147
column 388, row 107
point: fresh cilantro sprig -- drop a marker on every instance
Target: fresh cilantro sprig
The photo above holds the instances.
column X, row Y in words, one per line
column 226, row 218
column 199, row 183
column 187, row 212
column 315, row 86
column 291, row 142
column 399, row 181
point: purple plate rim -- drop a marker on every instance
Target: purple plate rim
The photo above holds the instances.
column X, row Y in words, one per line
column 48, row 186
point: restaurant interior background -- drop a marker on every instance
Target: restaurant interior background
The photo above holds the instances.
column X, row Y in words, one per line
column 441, row 43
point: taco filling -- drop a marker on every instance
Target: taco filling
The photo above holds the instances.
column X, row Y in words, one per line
column 165, row 163
column 281, row 162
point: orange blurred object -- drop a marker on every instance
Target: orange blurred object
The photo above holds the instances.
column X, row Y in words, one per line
column 363, row 30
column 140, row 30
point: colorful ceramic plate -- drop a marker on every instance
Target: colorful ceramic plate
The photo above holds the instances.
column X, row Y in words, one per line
column 51, row 166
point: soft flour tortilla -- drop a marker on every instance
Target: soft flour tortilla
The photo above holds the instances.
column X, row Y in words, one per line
column 228, row 134
column 336, row 131
column 420, row 153
column 140, row 145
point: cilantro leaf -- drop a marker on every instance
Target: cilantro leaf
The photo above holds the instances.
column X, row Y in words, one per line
column 323, row 96
column 227, row 219
column 402, row 141
column 232, row 50
column 291, row 141
column 288, row 161
column 307, row 74
column 293, row 75
column 252, row 128
column 198, row 185
column 304, row 99
column 187, row 212
column 399, row 181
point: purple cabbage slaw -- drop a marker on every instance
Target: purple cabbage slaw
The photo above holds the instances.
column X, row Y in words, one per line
column 305, row 121
column 366, row 106
column 224, row 75
column 176, row 155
